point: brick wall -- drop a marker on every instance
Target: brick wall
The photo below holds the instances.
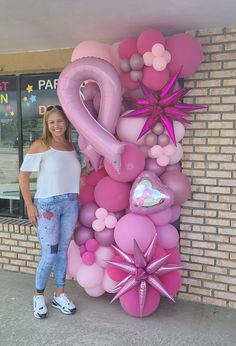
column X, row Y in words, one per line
column 208, row 221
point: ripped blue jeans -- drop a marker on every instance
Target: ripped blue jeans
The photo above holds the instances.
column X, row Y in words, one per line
column 57, row 219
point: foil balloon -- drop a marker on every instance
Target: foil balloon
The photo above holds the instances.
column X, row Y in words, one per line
column 148, row 195
column 98, row 133
column 142, row 271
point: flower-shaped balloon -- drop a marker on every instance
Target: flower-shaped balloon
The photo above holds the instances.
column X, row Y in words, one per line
column 103, row 219
column 143, row 271
column 158, row 58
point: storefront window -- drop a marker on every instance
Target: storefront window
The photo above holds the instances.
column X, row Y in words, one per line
column 9, row 140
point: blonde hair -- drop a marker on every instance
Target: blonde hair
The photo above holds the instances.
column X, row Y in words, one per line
column 46, row 135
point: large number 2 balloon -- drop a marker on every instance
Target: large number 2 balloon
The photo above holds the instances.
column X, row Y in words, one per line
column 98, row 133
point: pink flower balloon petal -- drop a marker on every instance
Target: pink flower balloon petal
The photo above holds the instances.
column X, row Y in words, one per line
column 148, row 195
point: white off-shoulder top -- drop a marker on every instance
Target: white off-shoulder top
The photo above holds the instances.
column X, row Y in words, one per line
column 58, row 172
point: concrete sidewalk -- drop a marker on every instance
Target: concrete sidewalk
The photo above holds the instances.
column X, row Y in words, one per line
column 99, row 323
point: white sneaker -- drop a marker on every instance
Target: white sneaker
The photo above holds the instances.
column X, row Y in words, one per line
column 39, row 306
column 63, row 303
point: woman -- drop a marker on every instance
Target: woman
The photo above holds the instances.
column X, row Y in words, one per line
column 55, row 208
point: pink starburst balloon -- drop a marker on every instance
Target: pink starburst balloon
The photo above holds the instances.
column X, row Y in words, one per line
column 164, row 106
column 142, row 271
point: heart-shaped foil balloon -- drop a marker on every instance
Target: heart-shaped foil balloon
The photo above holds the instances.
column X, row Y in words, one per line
column 148, row 195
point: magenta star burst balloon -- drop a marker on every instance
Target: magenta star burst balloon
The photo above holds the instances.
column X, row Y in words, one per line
column 164, row 106
column 142, row 271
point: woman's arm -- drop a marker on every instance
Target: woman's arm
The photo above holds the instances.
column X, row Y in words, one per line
column 24, row 182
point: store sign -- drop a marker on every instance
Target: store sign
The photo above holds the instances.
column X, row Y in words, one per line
column 38, row 92
column 8, row 101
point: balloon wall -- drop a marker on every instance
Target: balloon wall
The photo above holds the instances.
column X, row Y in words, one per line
column 130, row 119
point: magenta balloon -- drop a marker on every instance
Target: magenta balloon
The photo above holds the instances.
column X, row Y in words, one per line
column 98, row 133
column 152, row 165
column 87, row 214
column 148, row 38
column 132, row 226
column 130, row 302
column 106, row 237
column 161, row 218
column 127, row 47
column 176, row 167
column 167, row 236
column 112, row 195
column 172, row 282
column 175, row 257
column 82, row 234
column 186, row 52
column 179, row 184
column 153, row 79
column 127, row 81
column 175, row 213
column 132, row 163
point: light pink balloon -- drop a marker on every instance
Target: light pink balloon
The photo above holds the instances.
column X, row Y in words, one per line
column 133, row 226
column 114, row 50
column 177, row 156
column 128, row 129
column 148, row 38
column 179, row 130
column 97, row 133
column 104, row 254
column 108, row 284
column 101, row 213
column 105, row 191
column 98, row 225
column 95, row 291
column 90, row 276
column 161, row 218
column 163, row 160
column 153, row 79
column 74, row 259
column 132, row 163
column 186, row 52
column 91, row 48
column 155, row 151
column 110, row 221
column 130, row 302
column 167, row 236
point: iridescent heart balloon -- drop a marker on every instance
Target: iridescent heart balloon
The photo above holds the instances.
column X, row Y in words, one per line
column 148, row 195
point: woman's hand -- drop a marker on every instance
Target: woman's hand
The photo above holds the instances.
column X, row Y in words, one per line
column 32, row 214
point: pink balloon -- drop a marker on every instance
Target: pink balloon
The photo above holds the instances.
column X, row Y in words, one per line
column 94, row 177
column 177, row 156
column 186, row 51
column 130, row 302
column 127, row 47
column 104, row 254
column 175, row 211
column 151, row 139
column 174, row 168
column 174, row 256
column 74, row 259
column 162, row 217
column 82, row 234
column 101, row 213
column 87, row 214
column 179, row 184
column 88, row 258
column 163, row 160
column 86, row 194
column 128, row 129
column 159, row 252
column 127, row 81
column 90, row 276
column 98, row 225
column 115, row 55
column 95, row 291
column 106, row 237
column 98, row 133
column 132, row 226
column 90, row 90
column 155, row 80
column 179, row 130
column 110, row 221
column 148, row 38
column 105, row 191
column 151, row 165
column 108, row 284
column 92, row 245
column 167, row 236
column 115, row 273
column 91, row 48
column 132, row 163
column 172, row 282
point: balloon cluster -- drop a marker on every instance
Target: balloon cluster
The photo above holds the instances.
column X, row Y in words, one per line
column 126, row 242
